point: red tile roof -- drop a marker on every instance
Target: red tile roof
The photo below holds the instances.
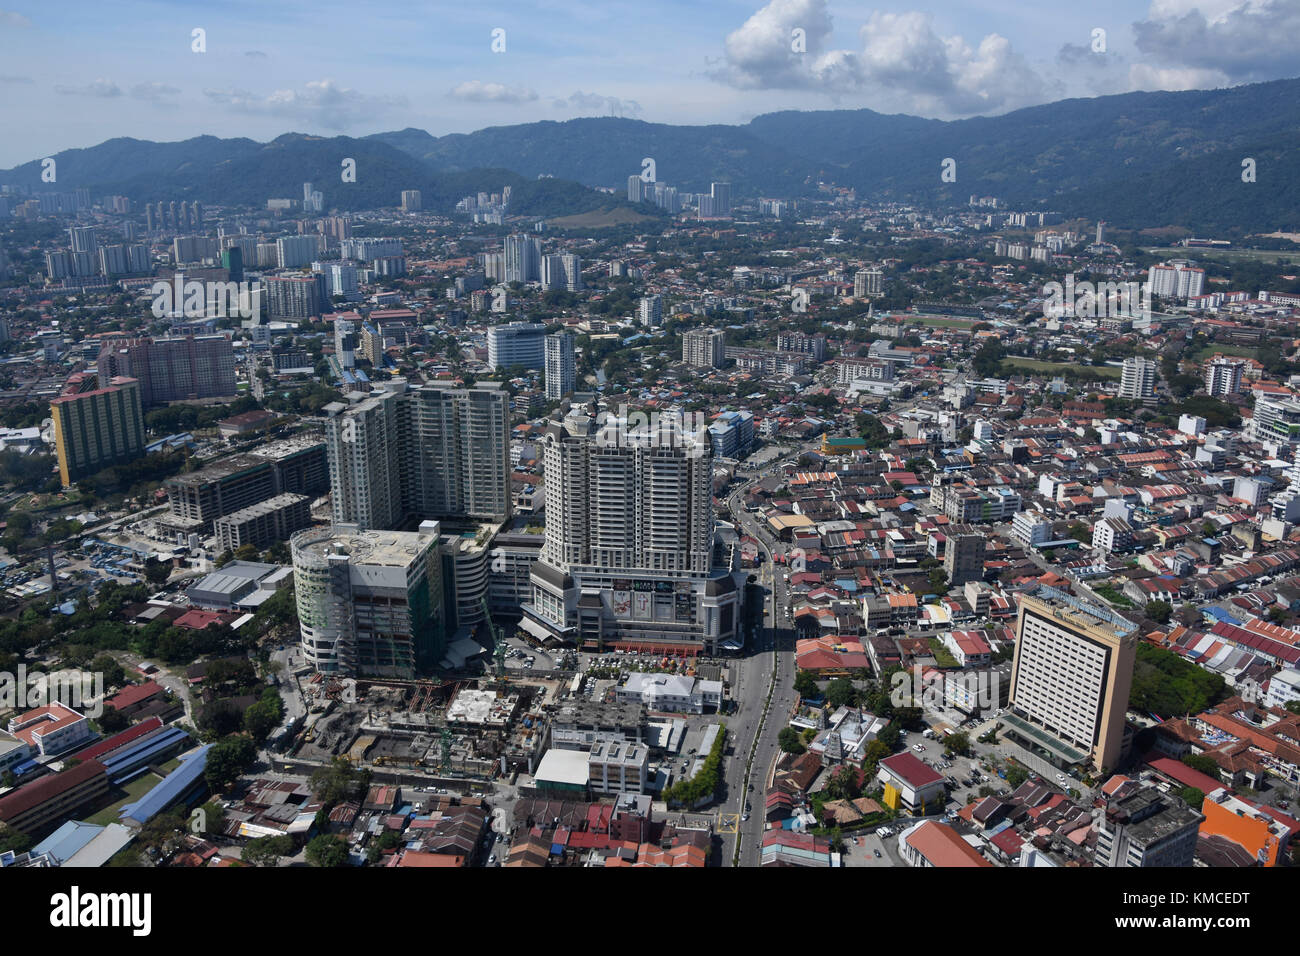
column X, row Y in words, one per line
column 119, row 740
column 911, row 770
column 943, row 846
column 47, row 788
column 133, row 694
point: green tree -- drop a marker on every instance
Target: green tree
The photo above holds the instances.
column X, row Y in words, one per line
column 958, row 742
column 157, row 572
column 1159, row 611
column 890, row 735
column 213, row 814
column 327, row 850
column 15, row 840
column 111, row 720
column 875, row 752
column 841, row 693
column 843, row 784
column 337, row 781
column 228, row 758
column 266, row 851
column 805, row 685
column 1166, row 684
column 260, row 719
column 789, row 742
column 987, row 362
column 113, row 673
column 1192, row 796
column 279, row 553
column 388, row 840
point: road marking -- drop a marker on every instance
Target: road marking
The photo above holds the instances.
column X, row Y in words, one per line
column 728, row 822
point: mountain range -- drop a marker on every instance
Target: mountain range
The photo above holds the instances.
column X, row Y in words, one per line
column 1135, row 160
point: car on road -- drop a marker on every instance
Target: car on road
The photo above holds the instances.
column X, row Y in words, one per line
column 1061, row 777
column 876, row 853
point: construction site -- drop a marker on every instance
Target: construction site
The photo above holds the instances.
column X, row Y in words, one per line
column 478, row 729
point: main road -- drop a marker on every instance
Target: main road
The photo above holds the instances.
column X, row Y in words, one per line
column 766, row 671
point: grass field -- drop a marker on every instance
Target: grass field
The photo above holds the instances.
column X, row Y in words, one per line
column 1225, row 255
column 1244, row 351
column 1034, row 365
column 939, row 321
column 129, row 792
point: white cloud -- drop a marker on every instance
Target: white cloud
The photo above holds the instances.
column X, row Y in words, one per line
column 1240, row 40
column 320, row 101
column 1144, row 76
column 476, row 91
column 153, row 91
column 902, row 58
column 9, row 18
column 100, row 87
column 766, row 53
column 596, row 103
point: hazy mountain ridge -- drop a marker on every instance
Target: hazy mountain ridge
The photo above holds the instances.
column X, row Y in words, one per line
column 1136, row 159
column 243, row 172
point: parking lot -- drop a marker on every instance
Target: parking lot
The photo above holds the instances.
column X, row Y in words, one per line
column 870, row 849
column 965, row 776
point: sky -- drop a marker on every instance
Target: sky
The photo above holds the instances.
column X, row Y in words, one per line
column 74, row 73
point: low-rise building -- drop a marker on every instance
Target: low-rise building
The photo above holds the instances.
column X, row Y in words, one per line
column 38, row 807
column 910, row 785
column 52, row 729
column 674, row 693
column 617, row 767
column 1141, row 826
column 930, row 843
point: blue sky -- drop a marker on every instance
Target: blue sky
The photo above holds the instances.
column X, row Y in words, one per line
column 77, row 73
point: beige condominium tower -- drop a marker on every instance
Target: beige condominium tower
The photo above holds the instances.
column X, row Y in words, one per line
column 1071, row 678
